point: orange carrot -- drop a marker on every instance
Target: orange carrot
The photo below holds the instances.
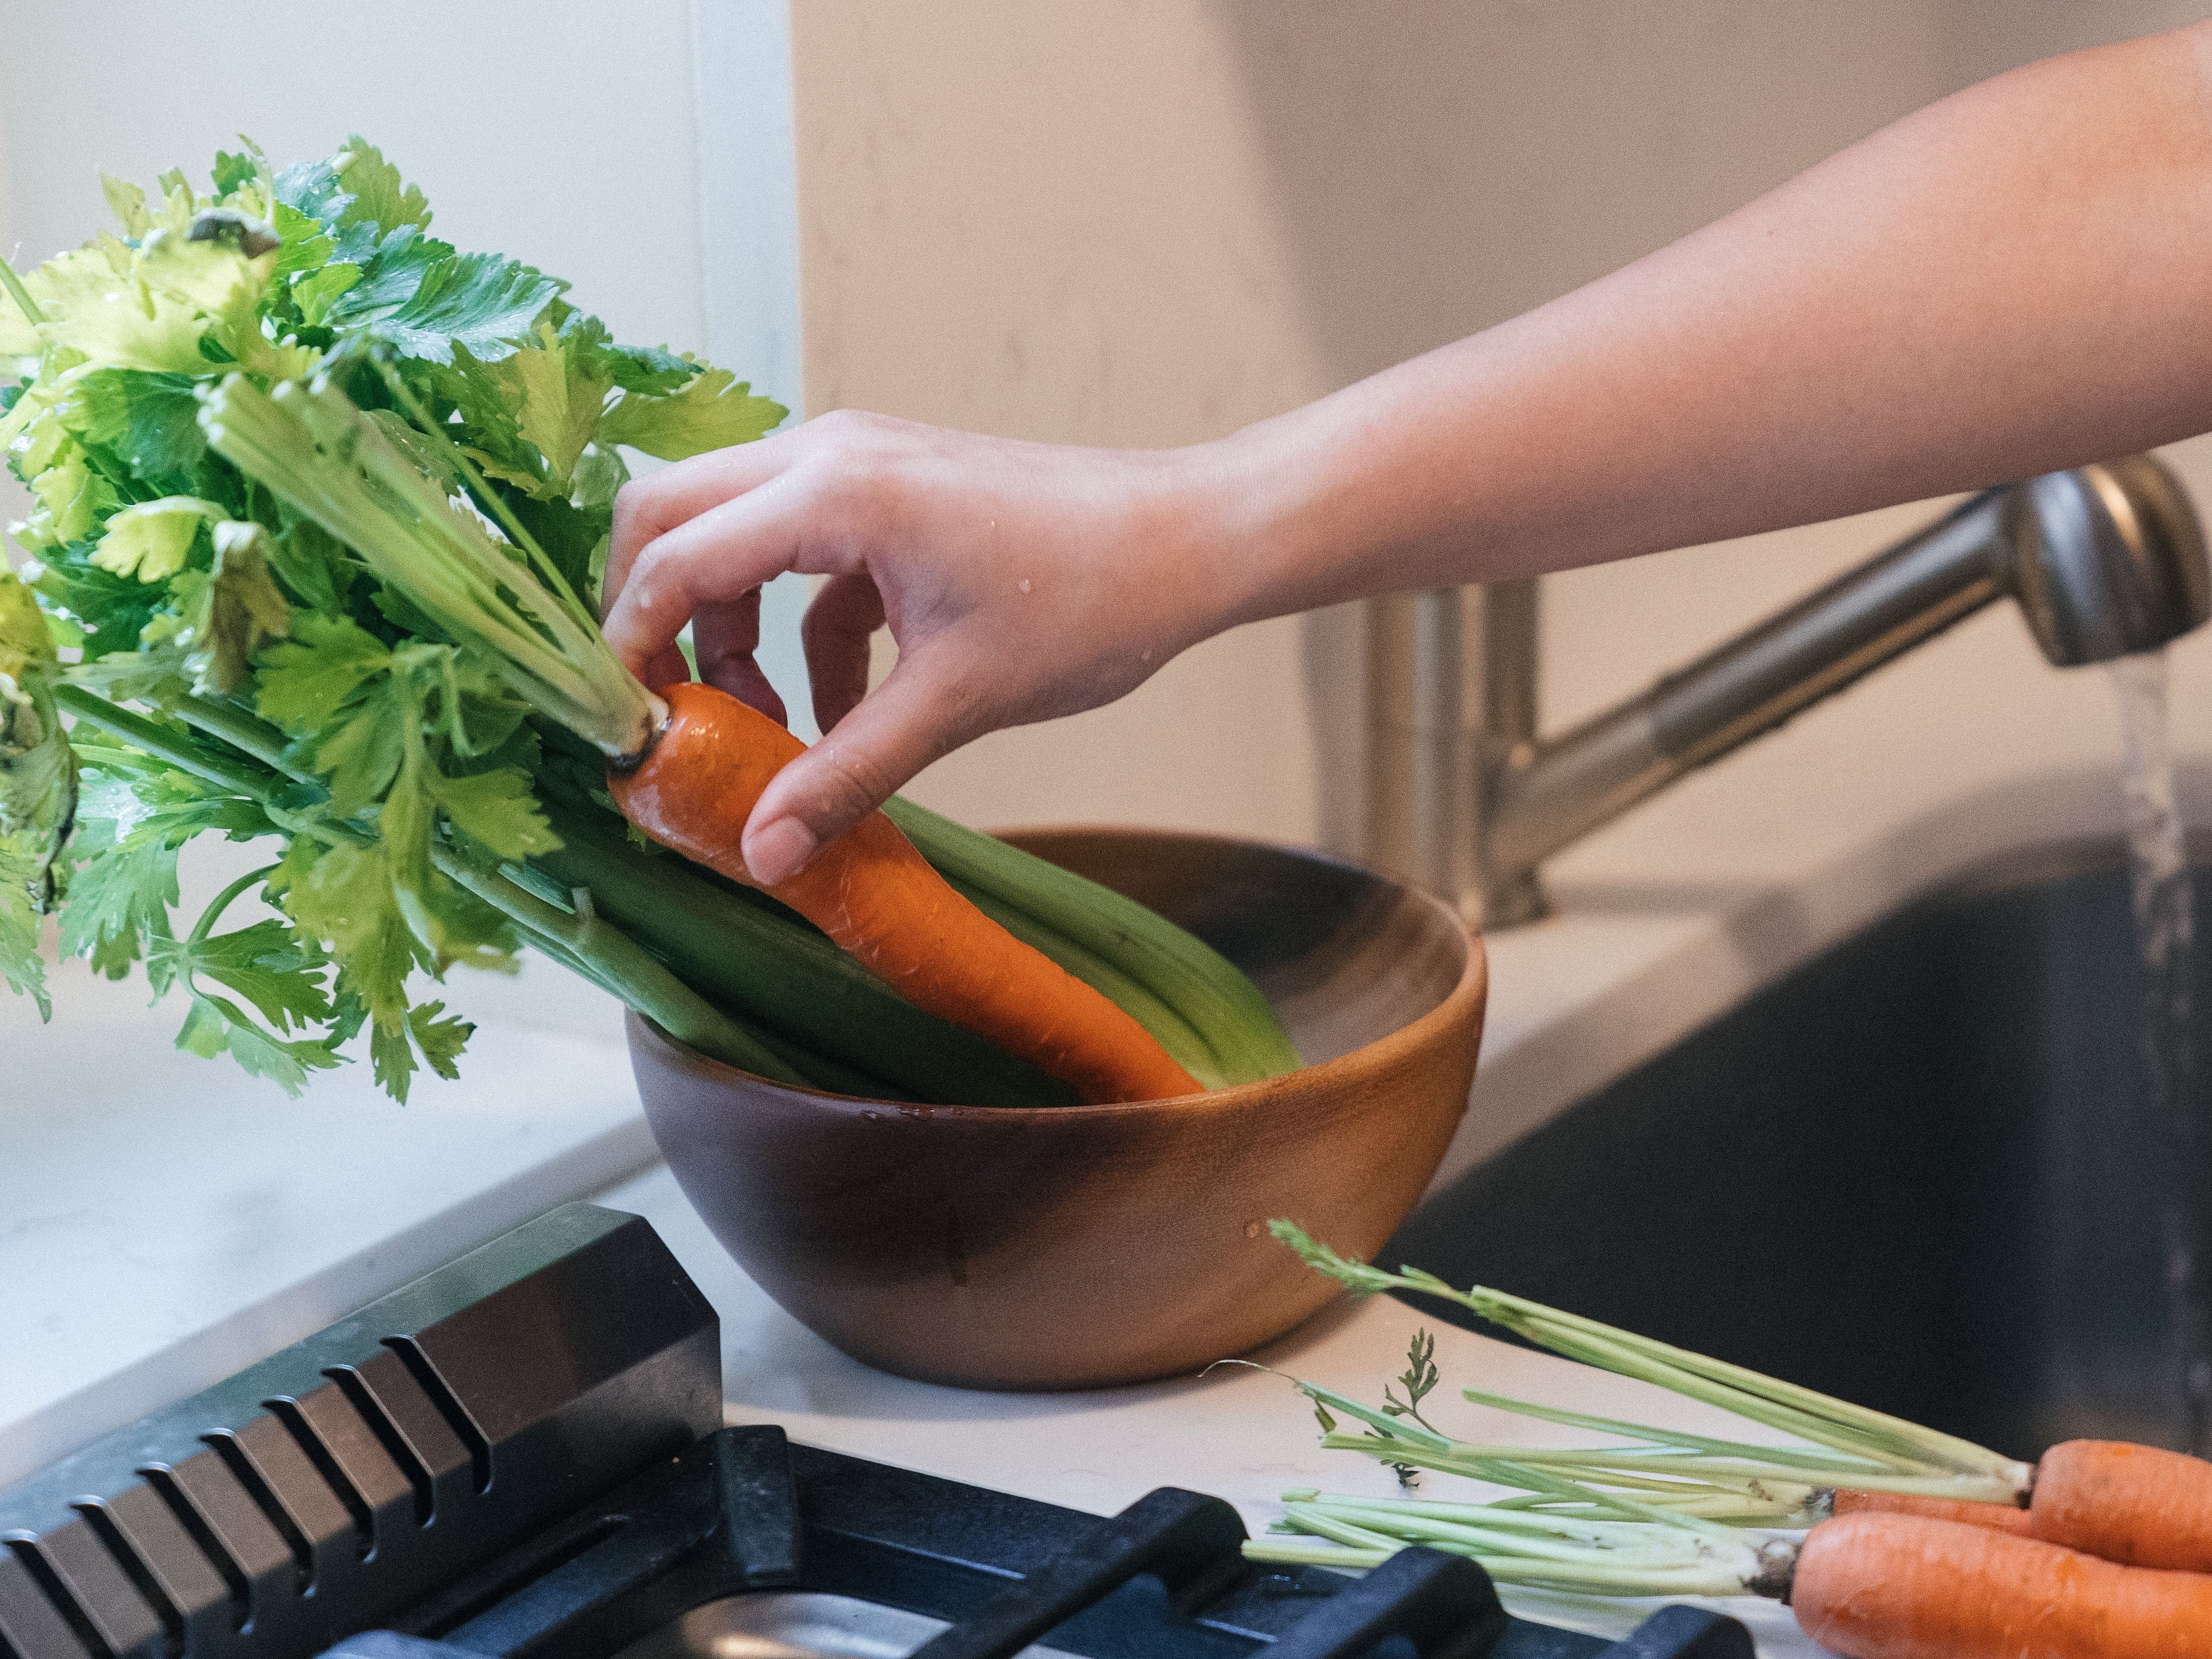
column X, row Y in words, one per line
column 2135, row 1505
column 1880, row 1586
column 878, row 898
column 2005, row 1517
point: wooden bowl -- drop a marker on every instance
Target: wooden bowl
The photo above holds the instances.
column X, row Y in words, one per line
column 1078, row 1245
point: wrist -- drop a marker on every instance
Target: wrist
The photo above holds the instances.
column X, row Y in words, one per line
column 1325, row 503
column 1237, row 523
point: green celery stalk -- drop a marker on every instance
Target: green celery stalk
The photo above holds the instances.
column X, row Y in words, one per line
column 608, row 956
column 785, row 973
column 1206, row 991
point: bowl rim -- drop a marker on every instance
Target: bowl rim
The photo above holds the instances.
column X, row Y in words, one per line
column 1472, row 987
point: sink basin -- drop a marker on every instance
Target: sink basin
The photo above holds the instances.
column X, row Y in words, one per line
column 1915, row 1173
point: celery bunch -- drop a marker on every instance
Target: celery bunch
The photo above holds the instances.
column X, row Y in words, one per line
column 320, row 505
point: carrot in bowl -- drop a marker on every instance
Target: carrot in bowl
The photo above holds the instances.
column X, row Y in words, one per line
column 880, row 901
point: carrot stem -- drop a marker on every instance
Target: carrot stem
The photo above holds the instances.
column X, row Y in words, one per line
column 1838, row 1461
column 1618, row 1558
column 1905, row 1449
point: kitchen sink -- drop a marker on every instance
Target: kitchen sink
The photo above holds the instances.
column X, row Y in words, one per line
column 1916, row 1173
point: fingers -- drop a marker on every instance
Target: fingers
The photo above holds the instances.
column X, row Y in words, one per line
column 667, row 667
column 839, row 626
column 917, row 714
column 649, row 507
column 724, row 637
column 716, row 556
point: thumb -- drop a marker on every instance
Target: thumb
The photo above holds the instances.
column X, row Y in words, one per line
column 912, row 719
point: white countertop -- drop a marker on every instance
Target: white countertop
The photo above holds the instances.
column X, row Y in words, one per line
column 1242, row 1434
column 163, row 1221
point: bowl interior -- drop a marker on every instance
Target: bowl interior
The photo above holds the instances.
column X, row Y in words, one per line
column 1345, row 956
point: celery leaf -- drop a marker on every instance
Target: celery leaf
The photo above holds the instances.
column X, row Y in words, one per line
column 134, row 816
column 343, row 896
column 37, row 788
column 148, row 421
column 379, row 195
column 151, row 540
column 233, row 610
column 424, row 299
column 267, row 963
column 440, row 1040
column 214, row 1025
column 559, row 385
column 497, row 809
column 713, row 410
column 304, row 681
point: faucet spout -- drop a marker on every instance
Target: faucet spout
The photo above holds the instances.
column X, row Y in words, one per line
column 2106, row 560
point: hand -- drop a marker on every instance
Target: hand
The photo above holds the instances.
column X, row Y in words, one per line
column 1020, row 581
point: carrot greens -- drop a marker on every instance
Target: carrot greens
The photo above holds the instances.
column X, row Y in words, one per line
column 1836, row 1443
column 1655, row 1511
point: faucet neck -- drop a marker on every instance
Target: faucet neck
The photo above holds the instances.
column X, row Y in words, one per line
column 1452, row 699
column 1465, row 799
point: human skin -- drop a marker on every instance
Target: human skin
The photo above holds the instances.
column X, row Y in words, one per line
column 2014, row 280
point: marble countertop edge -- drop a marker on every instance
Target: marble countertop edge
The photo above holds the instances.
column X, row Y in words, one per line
column 319, row 1298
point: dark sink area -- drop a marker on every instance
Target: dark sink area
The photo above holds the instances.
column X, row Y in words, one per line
column 1915, row 1173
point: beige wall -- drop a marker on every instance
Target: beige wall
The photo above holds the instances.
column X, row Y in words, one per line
column 1150, row 221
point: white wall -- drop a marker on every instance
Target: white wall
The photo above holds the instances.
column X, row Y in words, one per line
column 1151, row 221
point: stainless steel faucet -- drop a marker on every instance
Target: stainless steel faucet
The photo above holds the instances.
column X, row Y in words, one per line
column 1466, row 799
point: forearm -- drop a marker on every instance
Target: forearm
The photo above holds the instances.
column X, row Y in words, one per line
column 2015, row 279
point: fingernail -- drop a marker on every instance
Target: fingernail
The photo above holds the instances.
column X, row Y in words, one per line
column 779, row 851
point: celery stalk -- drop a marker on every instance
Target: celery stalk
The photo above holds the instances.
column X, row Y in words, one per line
column 785, row 973
column 1204, row 989
column 607, row 956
